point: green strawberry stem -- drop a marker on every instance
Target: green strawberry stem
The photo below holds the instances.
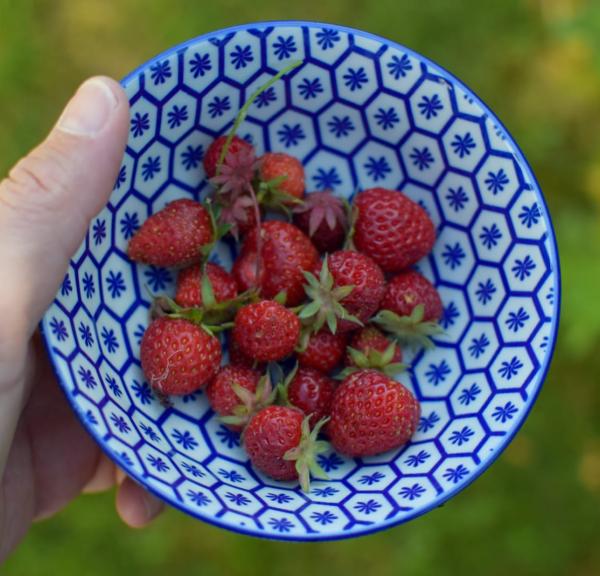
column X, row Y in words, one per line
column 409, row 330
column 264, row 396
column 373, row 359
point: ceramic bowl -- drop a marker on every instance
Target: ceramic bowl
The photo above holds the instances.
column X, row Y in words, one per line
column 361, row 111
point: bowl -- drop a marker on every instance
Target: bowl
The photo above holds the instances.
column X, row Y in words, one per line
column 361, row 111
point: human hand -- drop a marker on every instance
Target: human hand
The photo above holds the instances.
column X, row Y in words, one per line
column 46, row 204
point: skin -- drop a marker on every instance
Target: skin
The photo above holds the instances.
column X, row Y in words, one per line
column 67, row 178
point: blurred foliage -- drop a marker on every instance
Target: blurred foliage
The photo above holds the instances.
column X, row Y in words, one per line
column 537, row 64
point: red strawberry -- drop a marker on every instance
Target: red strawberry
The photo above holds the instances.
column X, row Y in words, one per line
column 324, row 351
column 285, row 253
column 213, row 154
column 351, row 285
column 266, row 331
column 173, row 236
column 409, row 289
column 282, row 173
column 323, row 217
column 238, row 358
column 312, row 392
column 233, row 393
column 178, row 357
column 280, row 444
column 370, row 339
column 392, row 229
column 189, row 289
column 371, row 414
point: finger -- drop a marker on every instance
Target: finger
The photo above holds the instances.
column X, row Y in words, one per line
column 104, row 476
column 136, row 506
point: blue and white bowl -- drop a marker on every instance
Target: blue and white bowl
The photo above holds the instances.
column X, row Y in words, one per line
column 360, row 112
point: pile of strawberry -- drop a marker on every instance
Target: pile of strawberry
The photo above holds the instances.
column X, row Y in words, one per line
column 330, row 287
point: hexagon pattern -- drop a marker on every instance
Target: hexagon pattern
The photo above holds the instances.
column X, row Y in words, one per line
column 359, row 112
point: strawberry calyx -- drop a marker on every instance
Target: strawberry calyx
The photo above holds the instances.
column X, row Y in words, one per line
column 409, row 330
column 271, row 196
column 305, row 454
column 324, row 306
column 250, row 403
column 283, row 386
column 373, row 359
column 324, row 208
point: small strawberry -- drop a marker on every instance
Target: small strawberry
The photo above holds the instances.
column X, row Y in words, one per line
column 371, row 414
column 392, row 229
column 285, row 253
column 347, row 293
column 238, row 358
column 189, row 285
column 237, row 393
column 324, row 218
column 369, row 348
column 280, row 444
column 282, row 179
column 213, row 154
column 266, row 331
column 410, row 309
column 311, row 391
column 174, row 236
column 178, row 356
column 323, row 351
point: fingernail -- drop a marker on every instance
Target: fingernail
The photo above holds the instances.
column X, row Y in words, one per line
column 90, row 109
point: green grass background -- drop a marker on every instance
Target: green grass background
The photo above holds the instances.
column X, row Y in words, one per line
column 537, row 64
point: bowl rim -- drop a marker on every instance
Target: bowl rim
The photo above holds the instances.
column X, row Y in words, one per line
column 484, row 465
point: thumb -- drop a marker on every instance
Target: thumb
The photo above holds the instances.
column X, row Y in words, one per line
column 49, row 198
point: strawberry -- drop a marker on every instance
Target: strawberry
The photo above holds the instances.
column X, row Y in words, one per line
column 323, row 351
column 238, row 358
column 213, row 154
column 323, row 217
column 347, row 293
column 410, row 309
column 189, row 287
column 279, row 442
column 371, row 414
column 311, row 391
column 235, row 394
column 282, row 178
column 173, row 236
column 178, row 356
column 392, row 229
column 285, row 253
column 370, row 348
column 266, row 331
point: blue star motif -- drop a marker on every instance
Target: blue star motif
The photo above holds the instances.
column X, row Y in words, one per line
column 355, row 78
column 327, row 38
column 457, row 198
column 326, row 179
column 188, row 398
column 430, row 106
column 485, row 291
column 120, row 423
column 161, row 71
column 469, row 394
column 149, row 432
column 129, row 225
column 241, row 56
column 453, row 255
column 325, row 492
column 110, row 340
column 369, row 480
column 193, row 470
column 198, row 498
column 58, row 329
column 460, row 437
column 438, row 373
column 417, row 459
column 158, row 278
column 422, row 158
column 281, row 524
column 184, row 439
column 504, row 413
column 490, row 235
column 367, row 507
column 387, row 118
column 89, row 416
column 290, row 135
column 150, row 168
column 157, row 463
column 509, row 369
column 87, row 377
column 265, row 98
column 200, row 64
column 463, row 145
column 142, row 392
column 228, row 437
column 329, row 463
column 412, row 492
column 284, row 47
column 530, row 215
column 231, row 475
column 191, row 157
column 86, row 334
column 126, row 459
column 66, row 287
column 523, row 268
column 399, row 66
column 449, row 315
column 455, row 475
column 139, row 332
column 99, row 231
column 219, row 106
column 177, row 116
column 323, row 518
column 478, row 346
column 516, row 320
column 497, row 181
column 237, row 499
column 139, row 124
column 279, row 498
column 120, row 178
column 340, row 126
column 427, row 423
column 113, row 386
column 310, row 88
column 377, row 168
column 115, row 284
